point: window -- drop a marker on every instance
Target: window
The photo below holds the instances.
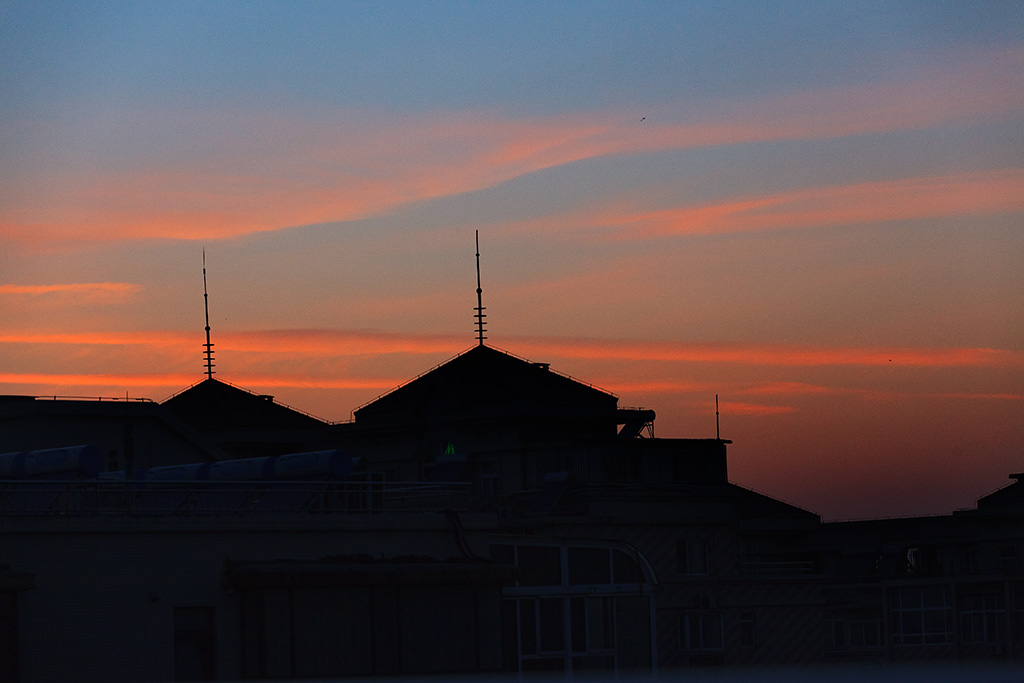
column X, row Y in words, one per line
column 865, row 628
column 701, row 631
column 835, row 630
column 552, row 626
column 625, row 568
column 541, row 626
column 593, row 624
column 853, row 628
column 921, row 615
column 747, row 629
column 540, row 565
column 981, row 614
column 488, row 477
column 575, row 608
column 543, row 632
column 1018, row 611
column 589, row 566
column 1008, row 558
column 692, row 556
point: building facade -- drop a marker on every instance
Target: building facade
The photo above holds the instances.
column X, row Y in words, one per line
column 490, row 516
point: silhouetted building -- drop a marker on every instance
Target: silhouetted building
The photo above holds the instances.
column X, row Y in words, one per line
column 504, row 423
column 492, row 515
column 241, row 423
column 137, row 434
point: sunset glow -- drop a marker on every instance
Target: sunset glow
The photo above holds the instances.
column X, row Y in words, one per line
column 814, row 213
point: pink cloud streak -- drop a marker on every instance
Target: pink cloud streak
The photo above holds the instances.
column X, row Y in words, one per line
column 904, row 199
column 182, row 380
column 351, row 165
column 88, row 292
column 985, row 192
column 338, row 343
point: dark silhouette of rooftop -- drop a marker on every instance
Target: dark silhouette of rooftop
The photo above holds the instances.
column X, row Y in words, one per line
column 242, row 422
column 487, row 382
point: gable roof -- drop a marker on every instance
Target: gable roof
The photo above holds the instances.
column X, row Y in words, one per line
column 213, row 404
column 488, row 381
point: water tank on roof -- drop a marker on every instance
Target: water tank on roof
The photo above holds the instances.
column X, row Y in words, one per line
column 12, row 465
column 122, row 475
column 195, row 472
column 315, row 464
column 87, row 460
column 248, row 469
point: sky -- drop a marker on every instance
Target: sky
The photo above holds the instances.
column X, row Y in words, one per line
column 814, row 211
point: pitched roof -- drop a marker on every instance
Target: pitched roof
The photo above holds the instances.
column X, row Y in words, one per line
column 213, row 404
column 487, row 380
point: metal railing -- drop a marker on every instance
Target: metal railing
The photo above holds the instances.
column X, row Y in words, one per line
column 100, row 497
column 776, row 567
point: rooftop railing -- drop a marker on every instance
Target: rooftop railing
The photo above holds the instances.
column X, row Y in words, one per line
column 99, row 497
column 776, row 567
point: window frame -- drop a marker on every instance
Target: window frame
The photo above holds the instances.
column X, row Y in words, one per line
column 915, row 615
column 709, row 622
column 690, row 549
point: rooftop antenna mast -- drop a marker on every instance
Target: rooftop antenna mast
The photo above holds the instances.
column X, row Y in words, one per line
column 718, row 432
column 479, row 298
column 206, row 307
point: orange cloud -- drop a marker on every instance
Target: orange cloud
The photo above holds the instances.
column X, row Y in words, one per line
column 983, row 397
column 986, row 192
column 906, row 199
column 151, row 338
column 755, row 409
column 351, row 165
column 87, row 291
column 337, row 342
column 661, row 386
column 792, row 389
column 312, row 342
column 776, row 354
column 99, row 380
column 342, row 343
column 184, row 380
column 308, row 382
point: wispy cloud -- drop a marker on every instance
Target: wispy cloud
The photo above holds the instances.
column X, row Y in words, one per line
column 97, row 380
column 88, row 292
column 980, row 193
column 181, row 380
column 905, row 199
column 227, row 178
column 982, row 396
column 791, row 389
column 115, row 338
column 311, row 342
column 326, row 342
column 755, row 409
column 782, row 355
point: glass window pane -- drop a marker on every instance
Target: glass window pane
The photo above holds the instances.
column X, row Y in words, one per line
column 602, row 626
column 746, row 629
column 552, row 627
column 578, row 615
column 697, row 557
column 626, row 568
column 540, row 565
column 712, row 631
column 528, row 626
column 589, row 566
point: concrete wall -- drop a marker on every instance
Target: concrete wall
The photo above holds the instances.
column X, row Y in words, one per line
column 106, row 589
